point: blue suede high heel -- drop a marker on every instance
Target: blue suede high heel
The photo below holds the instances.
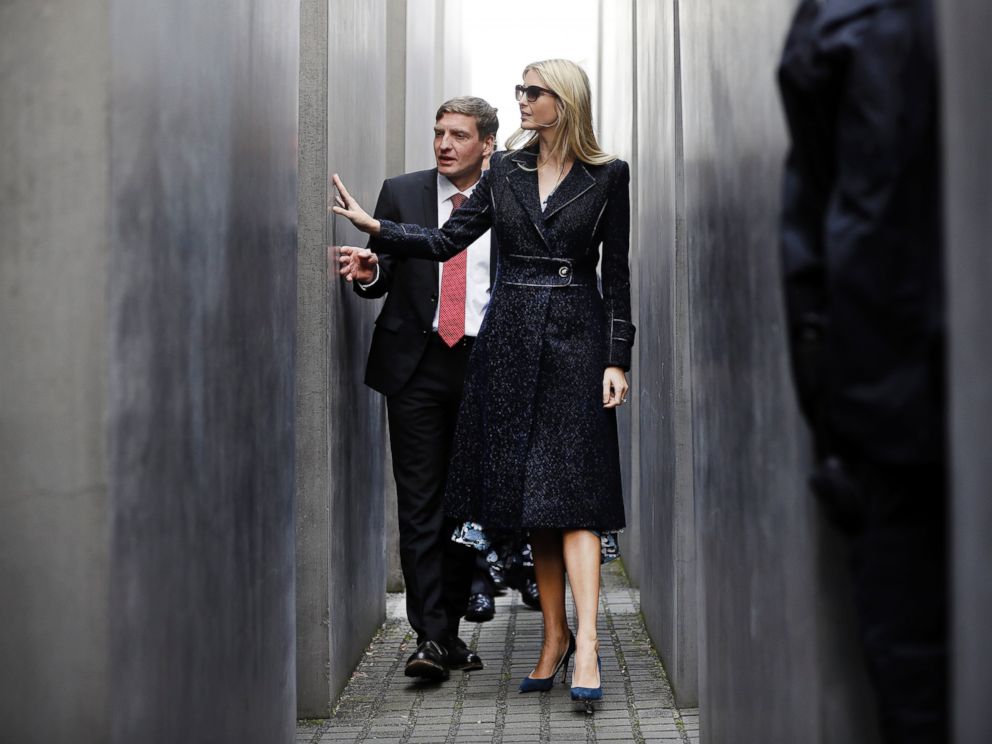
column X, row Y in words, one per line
column 588, row 695
column 543, row 684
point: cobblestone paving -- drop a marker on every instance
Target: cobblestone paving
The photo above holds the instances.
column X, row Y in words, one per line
column 380, row 704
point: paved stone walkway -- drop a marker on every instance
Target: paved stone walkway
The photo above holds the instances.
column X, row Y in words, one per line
column 380, row 704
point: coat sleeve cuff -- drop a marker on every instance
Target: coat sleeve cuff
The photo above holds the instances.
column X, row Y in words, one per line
column 389, row 231
column 620, row 342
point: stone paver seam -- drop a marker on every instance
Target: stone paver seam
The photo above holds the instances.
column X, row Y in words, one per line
column 320, row 731
column 635, row 600
column 456, row 714
column 505, row 672
column 635, row 721
column 411, row 716
column 329, row 721
column 383, row 690
column 544, row 733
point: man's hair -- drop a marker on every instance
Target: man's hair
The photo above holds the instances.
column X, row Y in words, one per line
column 485, row 115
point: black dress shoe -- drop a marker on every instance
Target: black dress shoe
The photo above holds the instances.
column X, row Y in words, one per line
column 429, row 661
column 498, row 576
column 462, row 657
column 481, row 608
column 529, row 594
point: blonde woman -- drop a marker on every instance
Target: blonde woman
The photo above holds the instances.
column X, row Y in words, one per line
column 536, row 441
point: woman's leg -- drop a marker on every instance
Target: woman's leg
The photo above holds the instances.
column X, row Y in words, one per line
column 582, row 559
column 549, row 570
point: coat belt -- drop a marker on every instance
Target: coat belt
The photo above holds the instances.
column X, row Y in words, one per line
column 545, row 271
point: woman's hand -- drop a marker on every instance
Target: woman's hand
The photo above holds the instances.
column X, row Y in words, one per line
column 615, row 387
column 355, row 264
column 346, row 206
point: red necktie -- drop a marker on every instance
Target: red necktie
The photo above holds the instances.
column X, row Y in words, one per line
column 451, row 316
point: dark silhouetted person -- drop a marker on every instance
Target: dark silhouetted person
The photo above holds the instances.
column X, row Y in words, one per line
column 861, row 248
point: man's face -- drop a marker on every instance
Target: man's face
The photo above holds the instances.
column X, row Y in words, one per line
column 457, row 148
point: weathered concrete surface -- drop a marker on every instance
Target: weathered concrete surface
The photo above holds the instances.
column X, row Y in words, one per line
column 312, row 461
column 664, row 378
column 201, row 410
column 614, row 83
column 966, row 66
column 779, row 660
column 395, row 164
column 54, row 181
column 149, row 179
column 340, row 531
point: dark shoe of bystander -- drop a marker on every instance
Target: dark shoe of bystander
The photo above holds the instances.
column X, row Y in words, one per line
column 481, row 608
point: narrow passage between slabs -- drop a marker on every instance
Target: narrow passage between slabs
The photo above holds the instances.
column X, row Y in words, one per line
column 380, row 704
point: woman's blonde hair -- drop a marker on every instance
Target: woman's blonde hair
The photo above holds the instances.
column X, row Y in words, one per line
column 573, row 101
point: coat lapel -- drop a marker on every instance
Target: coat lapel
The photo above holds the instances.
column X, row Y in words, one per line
column 430, row 211
column 523, row 182
column 576, row 183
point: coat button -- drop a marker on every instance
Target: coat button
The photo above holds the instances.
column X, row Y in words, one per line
column 563, row 271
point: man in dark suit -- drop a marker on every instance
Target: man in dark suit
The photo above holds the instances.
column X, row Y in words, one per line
column 417, row 359
column 861, row 240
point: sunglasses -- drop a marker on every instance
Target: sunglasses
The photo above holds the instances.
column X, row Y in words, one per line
column 533, row 92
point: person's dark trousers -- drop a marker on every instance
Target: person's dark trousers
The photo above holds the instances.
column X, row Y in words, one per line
column 482, row 580
column 898, row 552
column 437, row 571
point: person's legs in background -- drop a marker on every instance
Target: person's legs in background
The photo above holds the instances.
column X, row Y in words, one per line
column 899, row 569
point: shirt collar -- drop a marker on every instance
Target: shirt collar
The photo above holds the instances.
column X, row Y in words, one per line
column 446, row 189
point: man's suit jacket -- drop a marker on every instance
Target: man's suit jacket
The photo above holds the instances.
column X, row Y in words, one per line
column 410, row 286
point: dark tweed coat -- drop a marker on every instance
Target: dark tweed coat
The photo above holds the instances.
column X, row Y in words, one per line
column 534, row 446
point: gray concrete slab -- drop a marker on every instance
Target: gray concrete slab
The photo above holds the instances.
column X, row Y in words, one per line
column 200, row 416
column 966, row 64
column 54, row 255
column 664, row 379
column 341, row 475
column 149, row 253
column 779, row 658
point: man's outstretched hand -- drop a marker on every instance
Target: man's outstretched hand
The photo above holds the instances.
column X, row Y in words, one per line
column 354, row 264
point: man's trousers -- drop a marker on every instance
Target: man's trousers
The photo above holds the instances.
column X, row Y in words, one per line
column 422, row 415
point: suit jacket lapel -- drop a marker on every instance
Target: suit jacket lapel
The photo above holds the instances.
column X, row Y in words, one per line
column 430, row 211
